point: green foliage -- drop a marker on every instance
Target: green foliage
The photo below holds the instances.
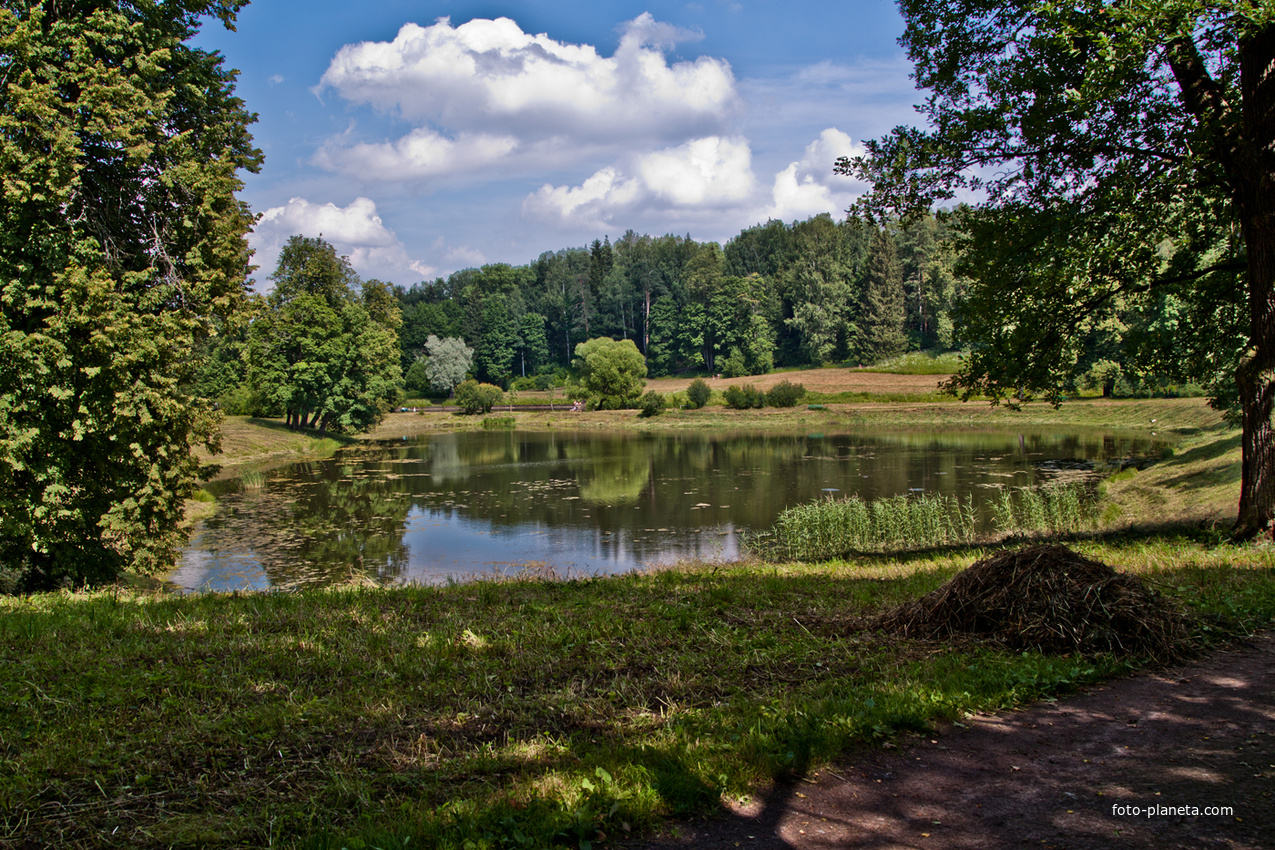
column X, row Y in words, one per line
column 880, row 328
column 785, row 394
column 832, row 528
column 612, row 372
column 473, row 397
column 121, row 250
column 500, row 423
column 697, row 394
column 448, row 364
column 743, row 397
column 325, row 348
column 652, row 404
column 1098, row 230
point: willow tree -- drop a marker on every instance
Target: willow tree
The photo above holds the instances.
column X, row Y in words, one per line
column 1125, row 153
column 120, row 241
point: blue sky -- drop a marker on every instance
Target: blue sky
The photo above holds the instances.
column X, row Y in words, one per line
column 425, row 137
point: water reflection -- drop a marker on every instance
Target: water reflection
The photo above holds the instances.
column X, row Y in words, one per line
column 454, row 505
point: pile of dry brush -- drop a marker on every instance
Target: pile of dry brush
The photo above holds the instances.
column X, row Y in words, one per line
column 1050, row 599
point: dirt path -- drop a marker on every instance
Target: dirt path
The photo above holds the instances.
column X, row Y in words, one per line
column 1068, row 774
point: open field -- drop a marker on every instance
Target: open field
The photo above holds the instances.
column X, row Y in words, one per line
column 830, row 380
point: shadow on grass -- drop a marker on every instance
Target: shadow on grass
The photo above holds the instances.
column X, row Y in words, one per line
column 276, row 425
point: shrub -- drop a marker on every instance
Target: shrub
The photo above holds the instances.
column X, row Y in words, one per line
column 743, row 397
column 785, row 394
column 651, row 404
column 473, row 397
column 697, row 394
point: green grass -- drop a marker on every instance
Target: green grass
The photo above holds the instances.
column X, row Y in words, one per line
column 920, row 363
column 480, row 713
column 829, row 528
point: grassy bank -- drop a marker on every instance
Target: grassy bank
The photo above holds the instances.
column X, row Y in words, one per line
column 537, row 712
column 551, row 711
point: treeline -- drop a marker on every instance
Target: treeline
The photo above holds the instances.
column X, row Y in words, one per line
column 806, row 293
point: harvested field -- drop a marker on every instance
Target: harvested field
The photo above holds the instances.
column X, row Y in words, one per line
column 832, row 380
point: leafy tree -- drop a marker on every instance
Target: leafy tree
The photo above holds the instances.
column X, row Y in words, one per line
column 473, row 397
column 533, row 344
column 495, row 352
column 1126, row 151
column 449, row 362
column 121, row 245
column 325, row 349
column 612, row 372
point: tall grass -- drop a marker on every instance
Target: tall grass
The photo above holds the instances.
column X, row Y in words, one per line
column 829, row 528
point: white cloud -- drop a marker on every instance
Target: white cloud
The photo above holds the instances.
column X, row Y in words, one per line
column 356, row 231
column 808, row 186
column 488, row 82
column 707, row 174
column 422, row 154
column 710, row 180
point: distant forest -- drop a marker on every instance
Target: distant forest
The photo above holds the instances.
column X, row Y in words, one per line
column 777, row 295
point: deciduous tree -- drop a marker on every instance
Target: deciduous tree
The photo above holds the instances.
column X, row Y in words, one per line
column 1126, row 152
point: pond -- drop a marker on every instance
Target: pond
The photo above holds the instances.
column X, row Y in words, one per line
column 455, row 506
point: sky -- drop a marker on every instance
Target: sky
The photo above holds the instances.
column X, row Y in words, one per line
column 421, row 138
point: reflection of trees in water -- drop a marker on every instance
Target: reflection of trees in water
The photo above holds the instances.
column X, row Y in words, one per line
column 321, row 522
column 634, row 493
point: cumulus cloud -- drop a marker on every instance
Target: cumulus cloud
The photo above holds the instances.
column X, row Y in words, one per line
column 422, row 154
column 487, row 82
column 710, row 173
column 356, row 231
column 710, row 178
column 808, row 186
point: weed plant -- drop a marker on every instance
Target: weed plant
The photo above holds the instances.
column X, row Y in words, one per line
column 831, row 528
column 499, row 423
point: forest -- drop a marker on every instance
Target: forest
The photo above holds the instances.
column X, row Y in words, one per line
column 776, row 296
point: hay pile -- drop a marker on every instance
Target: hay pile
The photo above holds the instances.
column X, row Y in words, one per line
column 1050, row 599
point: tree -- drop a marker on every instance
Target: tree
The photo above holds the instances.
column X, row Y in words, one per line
column 473, row 397
column 612, row 372
column 121, row 242
column 1126, row 152
column 881, row 311
column 325, row 349
column 449, row 362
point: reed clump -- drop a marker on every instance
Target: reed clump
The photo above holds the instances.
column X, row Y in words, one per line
column 1049, row 599
column 830, row 528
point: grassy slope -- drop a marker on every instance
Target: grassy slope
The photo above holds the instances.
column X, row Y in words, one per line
column 486, row 712
column 537, row 710
column 493, row 711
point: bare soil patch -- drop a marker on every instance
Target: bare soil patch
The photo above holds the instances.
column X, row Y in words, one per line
column 1181, row 758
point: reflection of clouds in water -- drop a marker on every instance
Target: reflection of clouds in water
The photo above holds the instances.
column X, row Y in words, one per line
column 461, row 504
column 211, row 570
column 446, row 545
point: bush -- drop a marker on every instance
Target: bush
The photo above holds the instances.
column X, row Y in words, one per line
column 473, row 397
column 697, row 394
column 651, row 404
column 743, row 397
column 785, row 394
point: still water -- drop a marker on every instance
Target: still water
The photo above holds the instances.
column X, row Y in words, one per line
column 454, row 506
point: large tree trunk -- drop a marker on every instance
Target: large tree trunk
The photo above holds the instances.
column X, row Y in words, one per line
column 1253, row 173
